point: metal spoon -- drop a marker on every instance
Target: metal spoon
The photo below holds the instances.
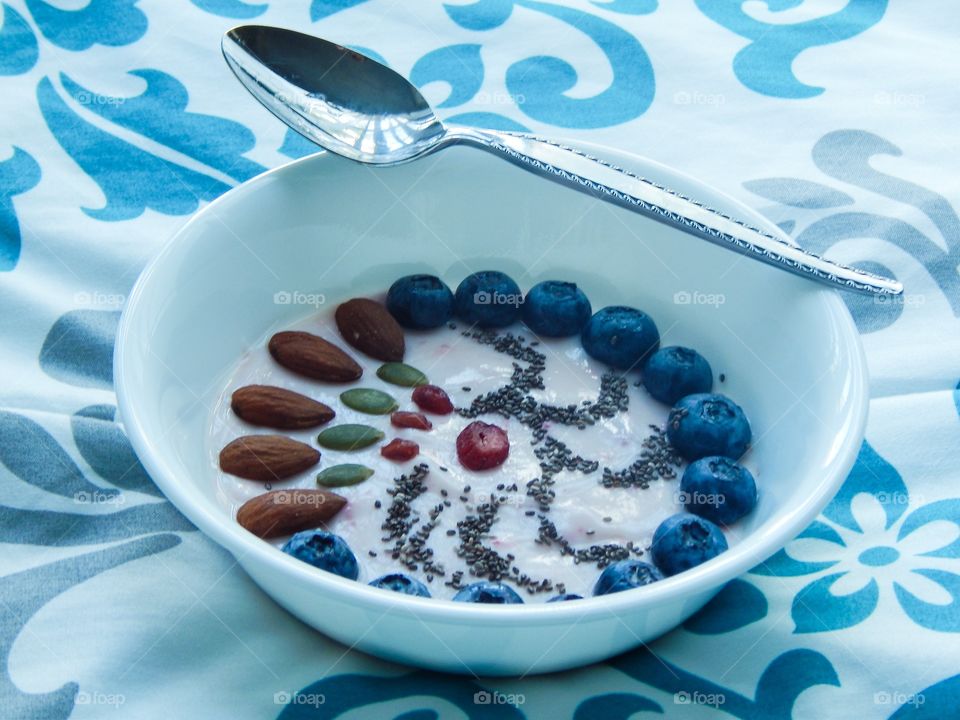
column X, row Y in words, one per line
column 362, row 110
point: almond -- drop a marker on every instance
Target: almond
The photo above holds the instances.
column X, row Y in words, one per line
column 310, row 355
column 267, row 457
column 372, row 330
column 284, row 512
column 279, row 408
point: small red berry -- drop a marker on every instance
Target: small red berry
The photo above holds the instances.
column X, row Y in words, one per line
column 433, row 399
column 400, row 450
column 415, row 420
column 481, row 446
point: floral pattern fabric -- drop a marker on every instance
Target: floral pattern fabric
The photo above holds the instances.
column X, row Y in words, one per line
column 835, row 119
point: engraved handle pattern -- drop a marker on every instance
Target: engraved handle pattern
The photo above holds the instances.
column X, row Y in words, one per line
column 609, row 182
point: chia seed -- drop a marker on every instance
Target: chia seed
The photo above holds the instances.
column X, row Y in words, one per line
column 455, row 580
column 485, row 562
column 601, row 555
column 554, row 457
column 514, row 401
column 410, row 549
column 658, row 461
column 675, row 416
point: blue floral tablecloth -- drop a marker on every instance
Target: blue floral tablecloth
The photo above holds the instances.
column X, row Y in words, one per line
column 836, row 118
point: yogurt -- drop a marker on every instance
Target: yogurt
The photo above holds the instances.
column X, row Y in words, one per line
column 584, row 513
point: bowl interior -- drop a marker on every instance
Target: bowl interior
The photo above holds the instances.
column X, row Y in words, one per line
column 788, row 349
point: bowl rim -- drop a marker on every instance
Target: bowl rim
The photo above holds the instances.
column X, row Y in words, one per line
column 752, row 549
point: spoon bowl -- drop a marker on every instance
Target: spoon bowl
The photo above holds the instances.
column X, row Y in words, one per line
column 355, row 107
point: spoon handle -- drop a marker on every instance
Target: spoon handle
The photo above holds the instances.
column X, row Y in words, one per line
column 608, row 182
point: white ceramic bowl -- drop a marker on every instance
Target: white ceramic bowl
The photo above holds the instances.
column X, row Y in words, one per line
column 789, row 349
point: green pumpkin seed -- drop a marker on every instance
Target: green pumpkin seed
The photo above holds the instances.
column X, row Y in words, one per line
column 368, row 400
column 397, row 373
column 342, row 475
column 349, row 437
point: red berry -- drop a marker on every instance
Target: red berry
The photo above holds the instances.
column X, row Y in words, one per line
column 481, row 446
column 433, row 399
column 400, row 450
column 415, row 420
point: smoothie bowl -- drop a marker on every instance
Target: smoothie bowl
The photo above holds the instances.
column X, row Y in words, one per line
column 516, row 477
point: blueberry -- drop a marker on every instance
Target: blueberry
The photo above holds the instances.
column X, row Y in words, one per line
column 620, row 336
column 625, row 575
column 325, row 551
column 398, row 582
column 565, row 597
column 683, row 541
column 675, row 372
column 493, row 593
column 718, row 489
column 488, row 299
column 704, row 424
column 556, row 309
column 420, row 301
